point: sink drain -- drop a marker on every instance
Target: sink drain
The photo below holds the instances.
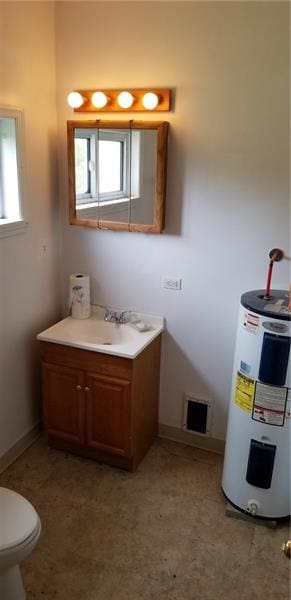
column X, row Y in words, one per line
column 107, row 343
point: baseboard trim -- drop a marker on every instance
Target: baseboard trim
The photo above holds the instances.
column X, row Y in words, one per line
column 165, row 431
column 20, row 446
column 197, row 441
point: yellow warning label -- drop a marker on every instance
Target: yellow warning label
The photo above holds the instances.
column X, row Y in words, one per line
column 244, row 392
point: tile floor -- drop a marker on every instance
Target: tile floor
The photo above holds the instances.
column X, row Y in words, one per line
column 158, row 534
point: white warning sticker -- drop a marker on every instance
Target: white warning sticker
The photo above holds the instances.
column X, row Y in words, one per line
column 251, row 322
column 245, row 368
column 270, row 404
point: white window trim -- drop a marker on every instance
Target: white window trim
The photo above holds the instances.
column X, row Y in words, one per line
column 105, row 197
column 123, row 137
column 8, row 226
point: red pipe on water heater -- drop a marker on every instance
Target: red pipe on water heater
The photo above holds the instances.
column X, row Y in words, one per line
column 275, row 255
column 269, row 278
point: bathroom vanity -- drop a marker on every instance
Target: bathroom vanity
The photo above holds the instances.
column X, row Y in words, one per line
column 101, row 388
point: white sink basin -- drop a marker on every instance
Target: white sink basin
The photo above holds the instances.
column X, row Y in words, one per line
column 101, row 336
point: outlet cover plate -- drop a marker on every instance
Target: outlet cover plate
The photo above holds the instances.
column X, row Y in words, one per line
column 172, row 283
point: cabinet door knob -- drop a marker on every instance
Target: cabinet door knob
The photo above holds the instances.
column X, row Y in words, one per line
column 78, row 387
column 87, row 389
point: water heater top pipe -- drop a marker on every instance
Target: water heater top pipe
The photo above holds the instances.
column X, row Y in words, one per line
column 275, row 255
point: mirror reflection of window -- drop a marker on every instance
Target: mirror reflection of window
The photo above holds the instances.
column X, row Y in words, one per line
column 113, row 177
column 110, row 166
column 82, row 158
column 102, row 166
column 115, row 173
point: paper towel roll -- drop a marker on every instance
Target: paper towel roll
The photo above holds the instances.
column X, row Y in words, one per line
column 79, row 296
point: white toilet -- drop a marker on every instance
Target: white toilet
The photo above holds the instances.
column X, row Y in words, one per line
column 20, row 529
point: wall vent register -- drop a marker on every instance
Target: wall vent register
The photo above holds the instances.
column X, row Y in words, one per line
column 197, row 415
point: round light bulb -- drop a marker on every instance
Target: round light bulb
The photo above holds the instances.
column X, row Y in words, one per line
column 99, row 99
column 125, row 99
column 75, row 99
column 150, row 101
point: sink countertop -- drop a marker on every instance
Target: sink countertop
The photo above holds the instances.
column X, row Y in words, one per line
column 98, row 335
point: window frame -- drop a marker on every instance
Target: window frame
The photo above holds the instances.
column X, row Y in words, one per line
column 9, row 226
column 87, row 138
column 94, row 137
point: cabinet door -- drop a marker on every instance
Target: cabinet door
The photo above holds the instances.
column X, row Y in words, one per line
column 108, row 414
column 63, row 396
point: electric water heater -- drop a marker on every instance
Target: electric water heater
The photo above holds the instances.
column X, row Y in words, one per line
column 256, row 473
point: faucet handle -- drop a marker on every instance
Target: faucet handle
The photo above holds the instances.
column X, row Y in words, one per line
column 110, row 315
column 114, row 316
column 123, row 317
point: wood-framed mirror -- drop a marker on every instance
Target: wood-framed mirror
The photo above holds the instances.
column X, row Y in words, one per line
column 117, row 174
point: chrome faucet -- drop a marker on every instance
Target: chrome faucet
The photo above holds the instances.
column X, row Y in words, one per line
column 114, row 316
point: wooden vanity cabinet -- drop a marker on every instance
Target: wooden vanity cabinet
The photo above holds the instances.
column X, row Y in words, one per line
column 101, row 406
column 108, row 426
column 63, row 402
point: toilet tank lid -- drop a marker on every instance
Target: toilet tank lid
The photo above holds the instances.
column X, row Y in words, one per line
column 18, row 519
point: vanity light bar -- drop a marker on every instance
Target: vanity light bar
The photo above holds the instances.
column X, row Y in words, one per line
column 122, row 100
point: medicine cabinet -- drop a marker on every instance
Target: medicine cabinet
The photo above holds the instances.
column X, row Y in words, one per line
column 117, row 174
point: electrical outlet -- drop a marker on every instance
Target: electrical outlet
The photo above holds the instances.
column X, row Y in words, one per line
column 43, row 248
column 172, row 283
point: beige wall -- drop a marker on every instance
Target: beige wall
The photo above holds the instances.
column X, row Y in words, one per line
column 228, row 182
column 29, row 296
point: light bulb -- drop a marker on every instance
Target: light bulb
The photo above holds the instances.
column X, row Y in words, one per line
column 125, row 99
column 150, row 101
column 99, row 99
column 75, row 99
